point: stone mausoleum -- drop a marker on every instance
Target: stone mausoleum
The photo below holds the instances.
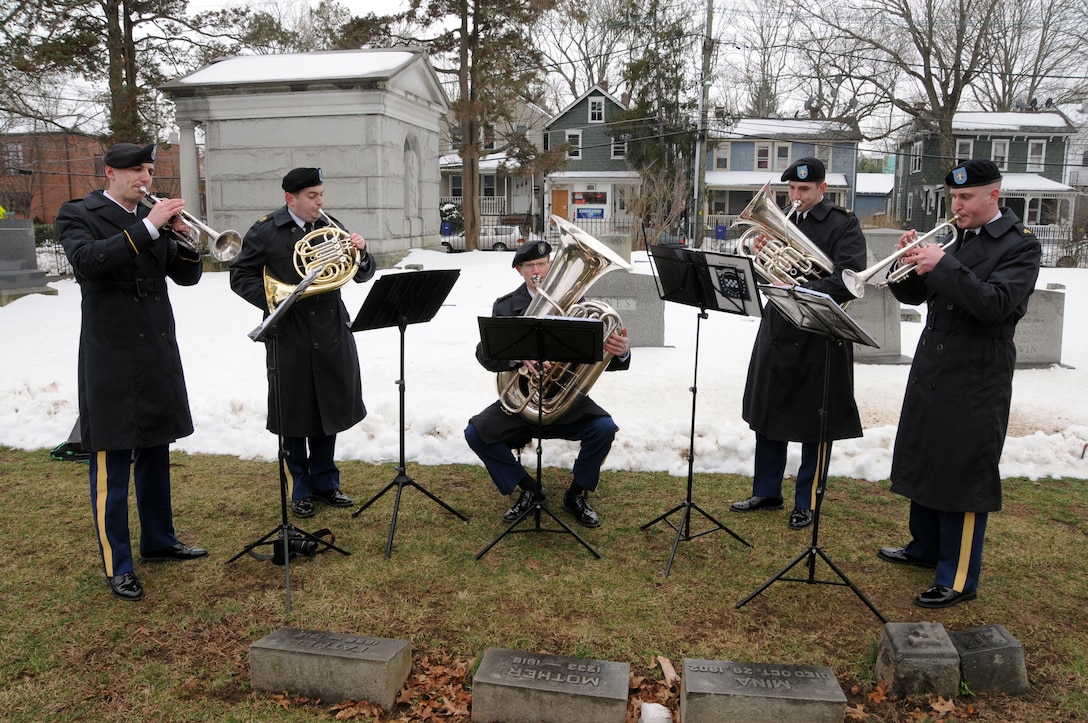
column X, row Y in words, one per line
column 369, row 118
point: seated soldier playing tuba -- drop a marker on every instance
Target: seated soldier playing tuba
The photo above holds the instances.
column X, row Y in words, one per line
column 497, row 430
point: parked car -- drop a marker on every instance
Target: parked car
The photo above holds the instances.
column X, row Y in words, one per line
column 492, row 238
column 675, row 240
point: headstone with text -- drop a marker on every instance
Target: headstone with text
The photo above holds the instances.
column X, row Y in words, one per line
column 991, row 661
column 331, row 666
column 722, row 691
column 1038, row 336
column 19, row 273
column 514, row 686
column 636, row 300
column 918, row 658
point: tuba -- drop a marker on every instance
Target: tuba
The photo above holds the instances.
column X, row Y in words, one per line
column 786, row 257
column 580, row 261
column 325, row 250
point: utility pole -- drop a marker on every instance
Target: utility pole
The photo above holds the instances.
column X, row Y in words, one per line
column 696, row 237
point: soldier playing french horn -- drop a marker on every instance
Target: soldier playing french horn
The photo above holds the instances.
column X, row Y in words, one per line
column 318, row 363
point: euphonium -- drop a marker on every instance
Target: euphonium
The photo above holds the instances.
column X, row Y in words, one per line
column 855, row 280
column 325, row 249
column 580, row 261
column 786, row 256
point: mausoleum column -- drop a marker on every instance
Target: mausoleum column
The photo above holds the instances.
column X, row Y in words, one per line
column 190, row 167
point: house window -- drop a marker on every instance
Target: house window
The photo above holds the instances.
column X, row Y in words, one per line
column 823, row 154
column 763, row 156
column 574, row 140
column 1036, row 155
column 456, row 186
column 999, row 154
column 721, row 157
column 1084, row 159
column 619, row 146
column 782, row 158
column 489, row 139
column 910, row 206
column 915, row 159
column 11, row 156
column 965, row 150
column 596, row 110
column 488, row 190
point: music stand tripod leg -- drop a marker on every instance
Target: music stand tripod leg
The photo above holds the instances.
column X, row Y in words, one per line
column 683, row 530
column 402, row 479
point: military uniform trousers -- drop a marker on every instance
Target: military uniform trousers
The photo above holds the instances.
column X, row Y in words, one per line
column 953, row 540
column 310, row 465
column 770, row 467
column 150, row 470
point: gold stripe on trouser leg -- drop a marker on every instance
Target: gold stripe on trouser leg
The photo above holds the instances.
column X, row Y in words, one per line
column 101, row 492
column 821, row 462
column 967, row 537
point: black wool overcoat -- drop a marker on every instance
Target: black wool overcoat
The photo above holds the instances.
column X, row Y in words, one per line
column 956, row 406
column 131, row 386
column 784, row 391
column 318, row 363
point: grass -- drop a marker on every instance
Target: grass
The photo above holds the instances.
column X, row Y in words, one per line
column 71, row 651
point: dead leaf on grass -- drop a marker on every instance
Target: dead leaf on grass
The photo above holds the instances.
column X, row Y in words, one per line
column 855, row 712
column 879, row 694
column 943, row 706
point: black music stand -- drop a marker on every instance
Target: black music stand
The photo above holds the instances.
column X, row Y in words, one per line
column 818, row 313
column 709, row 280
column 284, row 533
column 399, row 300
column 555, row 339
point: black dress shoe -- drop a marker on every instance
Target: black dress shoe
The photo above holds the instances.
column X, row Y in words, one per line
column 524, row 504
column 303, row 507
column 333, row 498
column 755, row 502
column 800, row 519
column 577, row 504
column 940, row 596
column 179, row 551
column 126, row 586
column 899, row 556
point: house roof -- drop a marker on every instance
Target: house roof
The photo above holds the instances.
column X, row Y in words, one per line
column 758, row 179
column 875, row 184
column 1018, row 122
column 488, row 164
column 595, row 90
column 793, row 129
column 1019, row 182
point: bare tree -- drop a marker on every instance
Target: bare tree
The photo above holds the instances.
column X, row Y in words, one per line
column 1039, row 55
column 940, row 48
column 582, row 44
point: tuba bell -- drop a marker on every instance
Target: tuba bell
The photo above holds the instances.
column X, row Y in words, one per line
column 578, row 264
column 785, row 256
column 325, row 250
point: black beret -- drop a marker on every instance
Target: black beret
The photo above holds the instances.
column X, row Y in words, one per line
column 127, row 155
column 531, row 252
column 301, row 178
column 805, row 169
column 975, row 172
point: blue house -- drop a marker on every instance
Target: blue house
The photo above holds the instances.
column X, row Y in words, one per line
column 755, row 151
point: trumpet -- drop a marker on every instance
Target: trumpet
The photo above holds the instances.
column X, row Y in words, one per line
column 855, row 280
column 223, row 246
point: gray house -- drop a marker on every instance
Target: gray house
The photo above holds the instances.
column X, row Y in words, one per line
column 1030, row 149
column 370, row 118
column 592, row 191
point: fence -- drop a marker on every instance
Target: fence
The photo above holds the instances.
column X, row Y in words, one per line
column 52, row 259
